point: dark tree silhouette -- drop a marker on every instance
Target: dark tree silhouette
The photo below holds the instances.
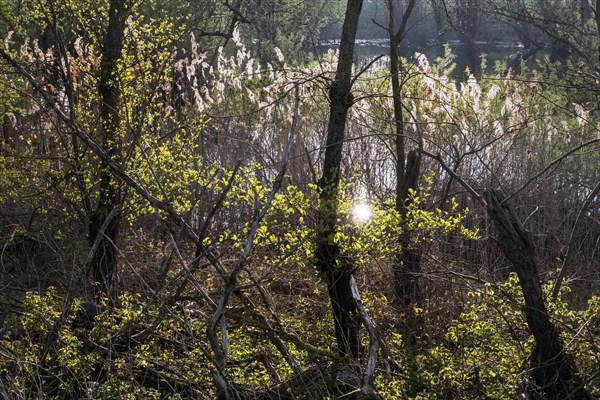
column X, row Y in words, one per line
column 335, row 269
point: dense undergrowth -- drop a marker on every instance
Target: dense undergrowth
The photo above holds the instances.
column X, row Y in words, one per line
column 202, row 135
column 58, row 346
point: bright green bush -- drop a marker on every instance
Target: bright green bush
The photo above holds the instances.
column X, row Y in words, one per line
column 54, row 352
column 485, row 351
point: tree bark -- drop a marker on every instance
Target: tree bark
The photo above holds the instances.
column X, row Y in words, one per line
column 336, row 270
column 467, row 23
column 104, row 222
column 407, row 263
column 597, row 18
column 552, row 369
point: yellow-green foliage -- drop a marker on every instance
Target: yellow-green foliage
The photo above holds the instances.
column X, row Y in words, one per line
column 285, row 238
column 47, row 341
column 485, row 351
column 49, row 168
column 578, row 330
column 105, row 357
column 120, row 344
column 378, row 238
column 44, row 168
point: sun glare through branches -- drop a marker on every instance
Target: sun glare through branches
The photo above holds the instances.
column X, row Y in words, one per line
column 362, row 212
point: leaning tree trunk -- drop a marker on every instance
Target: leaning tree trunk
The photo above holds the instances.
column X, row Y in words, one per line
column 336, row 270
column 552, row 369
column 105, row 219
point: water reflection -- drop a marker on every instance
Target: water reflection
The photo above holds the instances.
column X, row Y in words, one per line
column 467, row 56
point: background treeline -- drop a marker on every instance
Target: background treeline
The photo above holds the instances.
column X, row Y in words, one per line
column 178, row 180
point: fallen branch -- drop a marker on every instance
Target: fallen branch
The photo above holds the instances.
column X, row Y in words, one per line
column 366, row 387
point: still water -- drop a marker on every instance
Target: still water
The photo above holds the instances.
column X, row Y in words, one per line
column 506, row 53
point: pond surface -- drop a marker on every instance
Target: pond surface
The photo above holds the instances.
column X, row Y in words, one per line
column 465, row 55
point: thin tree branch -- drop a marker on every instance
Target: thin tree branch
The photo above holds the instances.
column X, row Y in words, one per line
column 366, row 68
column 115, row 167
column 220, row 351
column 553, row 163
column 571, row 247
column 456, row 177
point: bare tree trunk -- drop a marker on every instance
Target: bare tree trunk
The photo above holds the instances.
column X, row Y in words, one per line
column 597, row 18
column 559, row 51
column 553, row 370
column 467, row 23
column 105, row 219
column 530, row 46
column 407, row 264
column 335, row 270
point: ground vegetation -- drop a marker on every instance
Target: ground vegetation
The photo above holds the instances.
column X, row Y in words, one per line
column 188, row 213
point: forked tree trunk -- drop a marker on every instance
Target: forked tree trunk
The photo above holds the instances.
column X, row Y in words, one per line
column 552, row 369
column 407, row 264
column 335, row 270
column 105, row 219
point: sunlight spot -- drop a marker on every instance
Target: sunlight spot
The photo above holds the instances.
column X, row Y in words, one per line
column 362, row 213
